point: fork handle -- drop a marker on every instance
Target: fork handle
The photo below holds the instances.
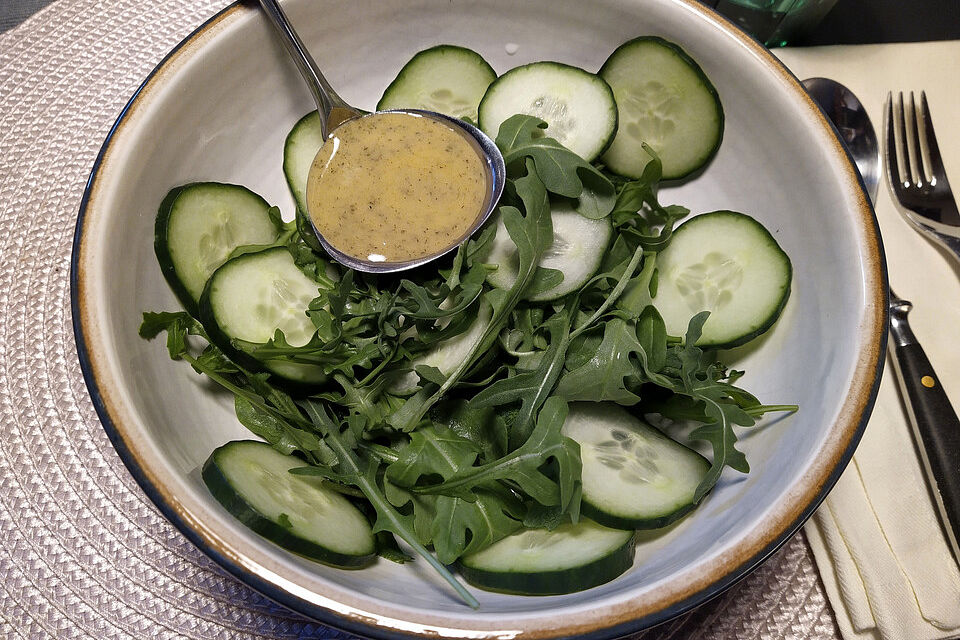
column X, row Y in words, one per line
column 936, row 430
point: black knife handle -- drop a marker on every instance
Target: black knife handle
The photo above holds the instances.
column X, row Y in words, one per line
column 936, row 429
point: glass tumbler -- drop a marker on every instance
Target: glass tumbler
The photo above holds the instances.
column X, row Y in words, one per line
column 775, row 23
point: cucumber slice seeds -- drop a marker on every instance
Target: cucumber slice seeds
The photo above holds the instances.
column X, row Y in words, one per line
column 252, row 480
column 572, row 557
column 199, row 225
column 252, row 296
column 447, row 79
column 726, row 263
column 577, row 106
column 634, row 477
column 666, row 101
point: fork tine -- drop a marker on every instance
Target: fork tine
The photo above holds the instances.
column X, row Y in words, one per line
column 895, row 151
column 917, row 176
column 889, row 155
column 932, row 161
column 913, row 137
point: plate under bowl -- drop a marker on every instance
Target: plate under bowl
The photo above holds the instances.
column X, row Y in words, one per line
column 218, row 108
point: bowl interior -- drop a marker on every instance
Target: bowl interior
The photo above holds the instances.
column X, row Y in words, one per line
column 220, row 108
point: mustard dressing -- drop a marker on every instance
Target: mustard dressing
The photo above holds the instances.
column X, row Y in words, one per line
column 396, row 187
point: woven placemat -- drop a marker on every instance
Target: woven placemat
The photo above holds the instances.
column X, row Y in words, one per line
column 83, row 552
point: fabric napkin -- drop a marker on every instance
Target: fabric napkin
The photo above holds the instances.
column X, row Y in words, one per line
column 877, row 540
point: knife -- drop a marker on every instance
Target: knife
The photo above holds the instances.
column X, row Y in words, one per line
column 935, row 425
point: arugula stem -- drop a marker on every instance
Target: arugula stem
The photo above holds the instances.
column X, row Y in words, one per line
column 769, row 408
column 614, row 295
column 476, row 475
column 376, row 370
column 385, row 454
column 253, row 398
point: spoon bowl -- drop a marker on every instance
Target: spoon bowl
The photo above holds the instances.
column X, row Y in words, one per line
column 853, row 124
column 495, row 177
column 334, row 112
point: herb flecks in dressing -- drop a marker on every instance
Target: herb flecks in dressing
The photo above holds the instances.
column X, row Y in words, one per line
column 395, row 187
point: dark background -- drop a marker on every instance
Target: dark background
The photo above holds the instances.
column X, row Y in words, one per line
column 849, row 22
column 872, row 21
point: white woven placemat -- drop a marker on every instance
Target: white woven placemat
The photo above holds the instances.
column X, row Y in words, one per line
column 83, row 553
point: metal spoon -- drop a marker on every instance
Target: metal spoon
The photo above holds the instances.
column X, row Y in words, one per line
column 853, row 124
column 334, row 111
column 932, row 418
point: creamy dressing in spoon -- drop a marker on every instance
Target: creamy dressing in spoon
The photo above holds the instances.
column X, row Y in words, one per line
column 396, row 187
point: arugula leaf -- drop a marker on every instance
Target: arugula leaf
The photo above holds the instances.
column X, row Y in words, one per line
column 638, row 295
column 177, row 325
column 422, row 304
column 531, row 388
column 522, row 466
column 483, row 427
column 489, row 517
column 563, row 172
column 721, row 412
column 652, row 336
column 490, row 514
column 533, row 234
column 388, row 549
column 638, row 213
column 434, row 449
column 281, row 434
column 609, row 374
column 422, row 509
column 409, row 415
column 362, row 472
column 623, row 278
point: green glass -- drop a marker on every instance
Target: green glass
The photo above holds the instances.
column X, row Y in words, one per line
column 775, row 23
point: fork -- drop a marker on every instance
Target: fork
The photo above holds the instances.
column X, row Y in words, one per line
column 917, row 175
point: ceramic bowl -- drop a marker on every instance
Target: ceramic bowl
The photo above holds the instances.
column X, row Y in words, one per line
column 218, row 108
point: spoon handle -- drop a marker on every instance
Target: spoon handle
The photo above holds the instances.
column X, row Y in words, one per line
column 333, row 110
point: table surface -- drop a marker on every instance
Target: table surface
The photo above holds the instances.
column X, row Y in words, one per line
column 83, row 553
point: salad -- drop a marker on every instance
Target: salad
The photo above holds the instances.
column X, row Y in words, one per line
column 488, row 412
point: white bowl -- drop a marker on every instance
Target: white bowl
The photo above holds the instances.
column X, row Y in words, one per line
column 218, row 108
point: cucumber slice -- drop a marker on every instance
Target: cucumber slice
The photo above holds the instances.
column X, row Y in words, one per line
column 726, row 263
column 446, row 79
column 448, row 354
column 665, row 100
column 577, row 251
column 252, row 296
column 577, row 106
column 300, row 148
column 252, row 480
column 572, row 557
column 199, row 225
column 634, row 477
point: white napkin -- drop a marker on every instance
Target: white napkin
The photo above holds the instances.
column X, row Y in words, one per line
column 878, row 544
